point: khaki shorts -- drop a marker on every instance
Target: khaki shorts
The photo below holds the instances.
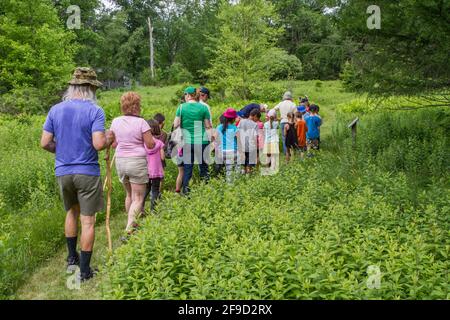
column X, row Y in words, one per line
column 84, row 190
column 132, row 170
column 271, row 148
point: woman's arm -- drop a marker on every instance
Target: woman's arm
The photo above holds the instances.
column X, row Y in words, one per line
column 163, row 155
column 148, row 140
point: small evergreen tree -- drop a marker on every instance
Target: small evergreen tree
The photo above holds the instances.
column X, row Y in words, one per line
column 247, row 31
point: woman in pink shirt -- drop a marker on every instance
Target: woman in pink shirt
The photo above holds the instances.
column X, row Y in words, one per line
column 133, row 135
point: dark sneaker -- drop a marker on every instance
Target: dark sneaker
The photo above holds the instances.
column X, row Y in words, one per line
column 73, row 263
column 88, row 275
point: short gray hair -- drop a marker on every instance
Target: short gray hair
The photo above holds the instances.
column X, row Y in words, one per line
column 84, row 92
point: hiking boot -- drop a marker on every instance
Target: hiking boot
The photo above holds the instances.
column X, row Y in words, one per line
column 88, row 275
column 73, row 263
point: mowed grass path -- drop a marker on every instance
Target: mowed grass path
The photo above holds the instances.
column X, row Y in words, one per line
column 49, row 281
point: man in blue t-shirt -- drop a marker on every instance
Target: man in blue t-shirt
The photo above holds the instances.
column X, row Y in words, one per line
column 313, row 122
column 75, row 131
column 245, row 112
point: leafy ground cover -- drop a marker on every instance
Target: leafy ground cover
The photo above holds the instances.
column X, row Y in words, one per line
column 384, row 203
column 317, row 230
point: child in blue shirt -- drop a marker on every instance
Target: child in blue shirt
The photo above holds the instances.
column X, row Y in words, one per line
column 227, row 138
column 313, row 123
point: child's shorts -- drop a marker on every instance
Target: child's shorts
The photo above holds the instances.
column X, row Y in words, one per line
column 312, row 144
column 251, row 158
column 271, row 148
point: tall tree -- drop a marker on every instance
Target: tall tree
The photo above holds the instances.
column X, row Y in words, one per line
column 35, row 50
column 247, row 31
column 409, row 54
column 312, row 36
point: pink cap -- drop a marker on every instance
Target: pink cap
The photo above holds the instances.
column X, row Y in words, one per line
column 230, row 113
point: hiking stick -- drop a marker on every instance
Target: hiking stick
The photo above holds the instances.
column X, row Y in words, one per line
column 108, row 197
column 112, row 164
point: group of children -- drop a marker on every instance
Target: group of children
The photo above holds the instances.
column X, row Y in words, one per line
column 248, row 142
column 240, row 144
column 303, row 130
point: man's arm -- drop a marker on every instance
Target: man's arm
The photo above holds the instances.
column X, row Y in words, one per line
column 102, row 140
column 47, row 142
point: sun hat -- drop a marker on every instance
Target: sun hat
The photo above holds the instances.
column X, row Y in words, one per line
column 230, row 114
column 301, row 108
column 264, row 107
column 190, row 90
column 83, row 76
column 205, row 91
column 272, row 113
column 287, row 95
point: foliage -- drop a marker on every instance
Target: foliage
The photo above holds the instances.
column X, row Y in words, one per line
column 246, row 33
column 408, row 55
column 353, row 212
column 313, row 37
column 36, row 51
column 176, row 73
column 280, row 65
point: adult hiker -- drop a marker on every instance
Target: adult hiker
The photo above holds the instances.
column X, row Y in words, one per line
column 131, row 133
column 244, row 113
column 195, row 120
column 204, row 96
column 285, row 107
column 75, row 131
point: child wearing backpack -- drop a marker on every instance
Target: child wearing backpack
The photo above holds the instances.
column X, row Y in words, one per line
column 291, row 136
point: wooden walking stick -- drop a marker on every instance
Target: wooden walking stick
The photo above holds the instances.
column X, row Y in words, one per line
column 111, row 165
column 108, row 197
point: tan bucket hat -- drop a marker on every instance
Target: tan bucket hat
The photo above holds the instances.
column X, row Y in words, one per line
column 83, row 75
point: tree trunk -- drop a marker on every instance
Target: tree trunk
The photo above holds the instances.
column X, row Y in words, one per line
column 152, row 61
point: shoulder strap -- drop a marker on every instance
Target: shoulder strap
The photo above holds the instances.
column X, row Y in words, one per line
column 181, row 116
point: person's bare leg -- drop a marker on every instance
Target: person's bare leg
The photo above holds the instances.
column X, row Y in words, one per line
column 86, row 242
column 71, row 233
column 137, row 196
column 128, row 198
column 71, row 225
column 87, row 233
column 179, row 183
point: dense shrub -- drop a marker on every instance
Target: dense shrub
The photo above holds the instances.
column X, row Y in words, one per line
column 311, row 232
column 314, row 242
column 279, row 65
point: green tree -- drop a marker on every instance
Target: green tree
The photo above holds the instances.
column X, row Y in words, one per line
column 312, row 36
column 36, row 53
column 247, row 31
column 408, row 55
column 280, row 65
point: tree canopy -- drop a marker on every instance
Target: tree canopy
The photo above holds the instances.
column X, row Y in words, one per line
column 234, row 44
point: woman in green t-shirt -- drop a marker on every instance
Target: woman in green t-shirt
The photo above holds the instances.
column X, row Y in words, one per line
column 195, row 120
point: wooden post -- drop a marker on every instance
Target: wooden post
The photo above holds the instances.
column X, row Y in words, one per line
column 353, row 126
column 152, row 60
